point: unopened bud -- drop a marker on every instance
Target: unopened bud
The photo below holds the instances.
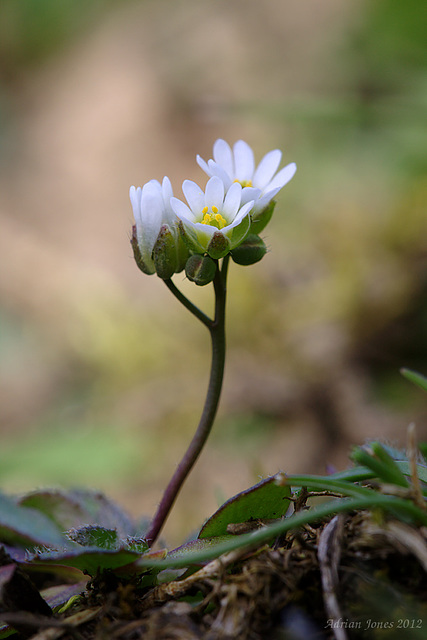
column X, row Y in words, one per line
column 219, row 246
column 137, row 254
column 200, row 269
column 251, row 250
column 165, row 254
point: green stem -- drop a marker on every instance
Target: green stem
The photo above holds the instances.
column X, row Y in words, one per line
column 217, row 331
column 187, row 303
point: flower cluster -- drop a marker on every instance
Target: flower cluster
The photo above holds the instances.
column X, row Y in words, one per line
column 226, row 217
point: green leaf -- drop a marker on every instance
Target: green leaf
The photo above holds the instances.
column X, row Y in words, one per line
column 198, row 545
column 375, row 457
column 94, row 536
column 22, row 526
column 415, row 377
column 264, row 501
column 90, row 560
column 72, row 509
column 370, row 500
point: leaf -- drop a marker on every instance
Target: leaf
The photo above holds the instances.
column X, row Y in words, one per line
column 197, row 545
column 264, row 501
column 58, row 595
column 90, row 560
column 415, row 377
column 376, row 458
column 70, row 509
column 22, row 526
column 94, row 536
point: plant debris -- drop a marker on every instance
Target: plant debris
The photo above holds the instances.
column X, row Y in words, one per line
column 346, row 577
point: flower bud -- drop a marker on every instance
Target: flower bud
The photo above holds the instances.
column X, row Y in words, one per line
column 200, row 269
column 219, row 246
column 137, row 254
column 164, row 253
column 251, row 250
column 261, row 219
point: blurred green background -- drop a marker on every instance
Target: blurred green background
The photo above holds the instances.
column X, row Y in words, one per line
column 102, row 373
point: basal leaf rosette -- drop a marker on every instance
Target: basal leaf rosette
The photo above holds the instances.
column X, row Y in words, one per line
column 215, row 221
column 260, row 183
column 156, row 241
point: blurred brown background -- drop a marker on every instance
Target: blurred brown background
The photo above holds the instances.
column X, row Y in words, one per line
column 102, row 373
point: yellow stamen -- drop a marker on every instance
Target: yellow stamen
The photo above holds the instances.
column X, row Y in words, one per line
column 214, row 219
column 205, row 210
column 244, row 183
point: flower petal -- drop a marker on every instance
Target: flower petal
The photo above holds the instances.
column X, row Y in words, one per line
column 135, row 199
column 167, row 191
column 203, row 165
column 214, row 195
column 267, row 168
column 181, row 210
column 223, row 156
column 242, row 213
column 217, row 170
column 263, row 201
column 284, row 175
column 194, row 196
column 244, row 162
column 249, row 193
column 232, row 201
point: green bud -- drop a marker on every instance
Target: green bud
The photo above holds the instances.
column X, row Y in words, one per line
column 251, row 250
column 137, row 254
column 219, row 246
column 260, row 220
column 165, row 254
column 200, row 269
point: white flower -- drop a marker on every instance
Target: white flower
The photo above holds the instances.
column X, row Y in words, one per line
column 259, row 183
column 214, row 221
column 157, row 236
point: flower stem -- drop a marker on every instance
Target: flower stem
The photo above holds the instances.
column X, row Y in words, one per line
column 217, row 331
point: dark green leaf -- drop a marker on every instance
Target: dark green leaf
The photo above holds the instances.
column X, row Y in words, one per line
column 69, row 509
column 22, row 526
column 266, row 500
column 88, row 559
column 94, row 536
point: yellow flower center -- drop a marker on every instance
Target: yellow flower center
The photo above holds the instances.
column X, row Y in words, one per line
column 244, row 183
column 213, row 218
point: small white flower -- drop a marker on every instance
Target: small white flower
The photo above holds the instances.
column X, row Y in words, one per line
column 153, row 214
column 259, row 183
column 214, row 221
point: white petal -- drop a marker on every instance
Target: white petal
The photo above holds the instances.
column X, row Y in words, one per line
column 249, row 193
column 135, row 199
column 181, row 210
column 167, row 191
column 267, row 168
column 218, row 170
column 263, row 201
column 203, row 165
column 151, row 221
column 284, row 175
column 232, row 201
column 244, row 162
column 214, row 195
column 205, row 229
column 194, row 196
column 223, row 156
column 244, row 211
